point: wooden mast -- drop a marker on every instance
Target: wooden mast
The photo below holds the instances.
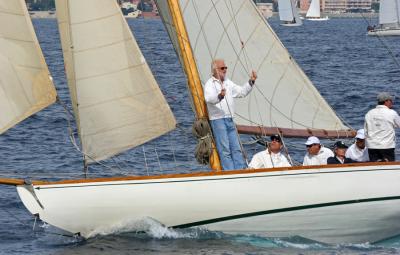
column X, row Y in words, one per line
column 192, row 73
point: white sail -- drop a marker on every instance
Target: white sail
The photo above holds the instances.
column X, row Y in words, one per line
column 295, row 12
column 314, row 9
column 288, row 12
column 283, row 96
column 117, row 102
column 25, row 83
column 285, row 10
column 389, row 12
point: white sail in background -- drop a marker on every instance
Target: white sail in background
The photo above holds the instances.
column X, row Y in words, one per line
column 283, row 96
column 117, row 102
column 25, row 83
column 314, row 9
column 288, row 11
column 389, row 12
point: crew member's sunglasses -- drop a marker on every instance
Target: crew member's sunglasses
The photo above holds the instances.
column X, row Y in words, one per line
column 223, row 68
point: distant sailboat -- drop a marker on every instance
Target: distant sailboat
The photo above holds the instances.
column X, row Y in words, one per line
column 288, row 13
column 389, row 19
column 118, row 105
column 314, row 12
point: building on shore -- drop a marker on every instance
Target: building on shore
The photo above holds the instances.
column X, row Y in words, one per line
column 340, row 6
column 266, row 9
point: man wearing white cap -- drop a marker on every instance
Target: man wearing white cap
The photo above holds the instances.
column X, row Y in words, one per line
column 316, row 153
column 379, row 126
column 357, row 151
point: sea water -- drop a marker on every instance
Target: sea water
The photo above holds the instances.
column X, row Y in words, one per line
column 348, row 68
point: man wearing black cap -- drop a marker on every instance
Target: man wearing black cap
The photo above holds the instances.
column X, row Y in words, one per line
column 340, row 152
column 271, row 157
column 379, row 126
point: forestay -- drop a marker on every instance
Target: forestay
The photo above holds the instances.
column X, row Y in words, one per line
column 25, row 83
column 235, row 31
column 117, row 102
column 389, row 12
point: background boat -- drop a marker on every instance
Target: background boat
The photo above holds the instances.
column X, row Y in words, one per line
column 389, row 19
column 169, row 74
column 314, row 12
column 288, row 13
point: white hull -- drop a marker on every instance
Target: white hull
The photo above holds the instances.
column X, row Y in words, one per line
column 331, row 204
column 291, row 24
column 318, row 19
column 385, row 32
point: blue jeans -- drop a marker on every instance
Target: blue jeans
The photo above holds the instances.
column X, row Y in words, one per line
column 227, row 143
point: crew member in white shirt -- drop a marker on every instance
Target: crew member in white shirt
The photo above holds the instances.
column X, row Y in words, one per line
column 380, row 122
column 271, row 157
column 219, row 92
column 357, row 151
column 316, row 153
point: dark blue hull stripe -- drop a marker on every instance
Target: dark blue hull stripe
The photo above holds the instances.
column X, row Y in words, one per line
column 289, row 209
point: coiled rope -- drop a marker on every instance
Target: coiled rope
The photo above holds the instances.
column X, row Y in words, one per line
column 201, row 129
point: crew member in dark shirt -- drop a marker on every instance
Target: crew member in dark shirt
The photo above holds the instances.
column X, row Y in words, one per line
column 340, row 152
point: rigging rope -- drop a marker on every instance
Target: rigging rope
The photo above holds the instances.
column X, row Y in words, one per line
column 72, row 136
column 391, row 53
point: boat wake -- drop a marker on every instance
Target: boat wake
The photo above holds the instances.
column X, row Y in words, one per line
column 153, row 229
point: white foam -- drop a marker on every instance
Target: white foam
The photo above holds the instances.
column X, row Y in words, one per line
column 150, row 226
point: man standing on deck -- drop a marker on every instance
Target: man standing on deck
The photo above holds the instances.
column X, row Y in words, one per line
column 379, row 126
column 219, row 93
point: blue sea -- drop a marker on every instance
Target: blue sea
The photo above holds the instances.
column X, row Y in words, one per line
column 348, row 68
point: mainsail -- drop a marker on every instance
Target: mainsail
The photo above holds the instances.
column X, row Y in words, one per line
column 234, row 30
column 25, row 83
column 389, row 13
column 314, row 10
column 116, row 100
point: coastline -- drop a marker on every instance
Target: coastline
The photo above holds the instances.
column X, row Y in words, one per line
column 52, row 15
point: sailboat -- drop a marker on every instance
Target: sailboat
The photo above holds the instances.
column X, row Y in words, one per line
column 314, row 12
column 288, row 13
column 389, row 19
column 333, row 203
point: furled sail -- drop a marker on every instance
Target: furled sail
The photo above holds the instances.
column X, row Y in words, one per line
column 117, row 102
column 234, row 30
column 288, row 11
column 25, row 83
column 314, row 10
column 389, row 13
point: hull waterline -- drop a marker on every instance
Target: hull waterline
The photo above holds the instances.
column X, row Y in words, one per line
column 330, row 204
column 318, row 19
column 385, row 32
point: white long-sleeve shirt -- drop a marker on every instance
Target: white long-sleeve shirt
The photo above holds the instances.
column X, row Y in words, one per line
column 265, row 159
column 357, row 154
column 218, row 109
column 319, row 159
column 379, row 126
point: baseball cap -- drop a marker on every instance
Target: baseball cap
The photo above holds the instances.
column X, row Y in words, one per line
column 360, row 134
column 312, row 140
column 383, row 96
column 340, row 144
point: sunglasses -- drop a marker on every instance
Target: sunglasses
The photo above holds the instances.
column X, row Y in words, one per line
column 223, row 68
column 311, row 145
